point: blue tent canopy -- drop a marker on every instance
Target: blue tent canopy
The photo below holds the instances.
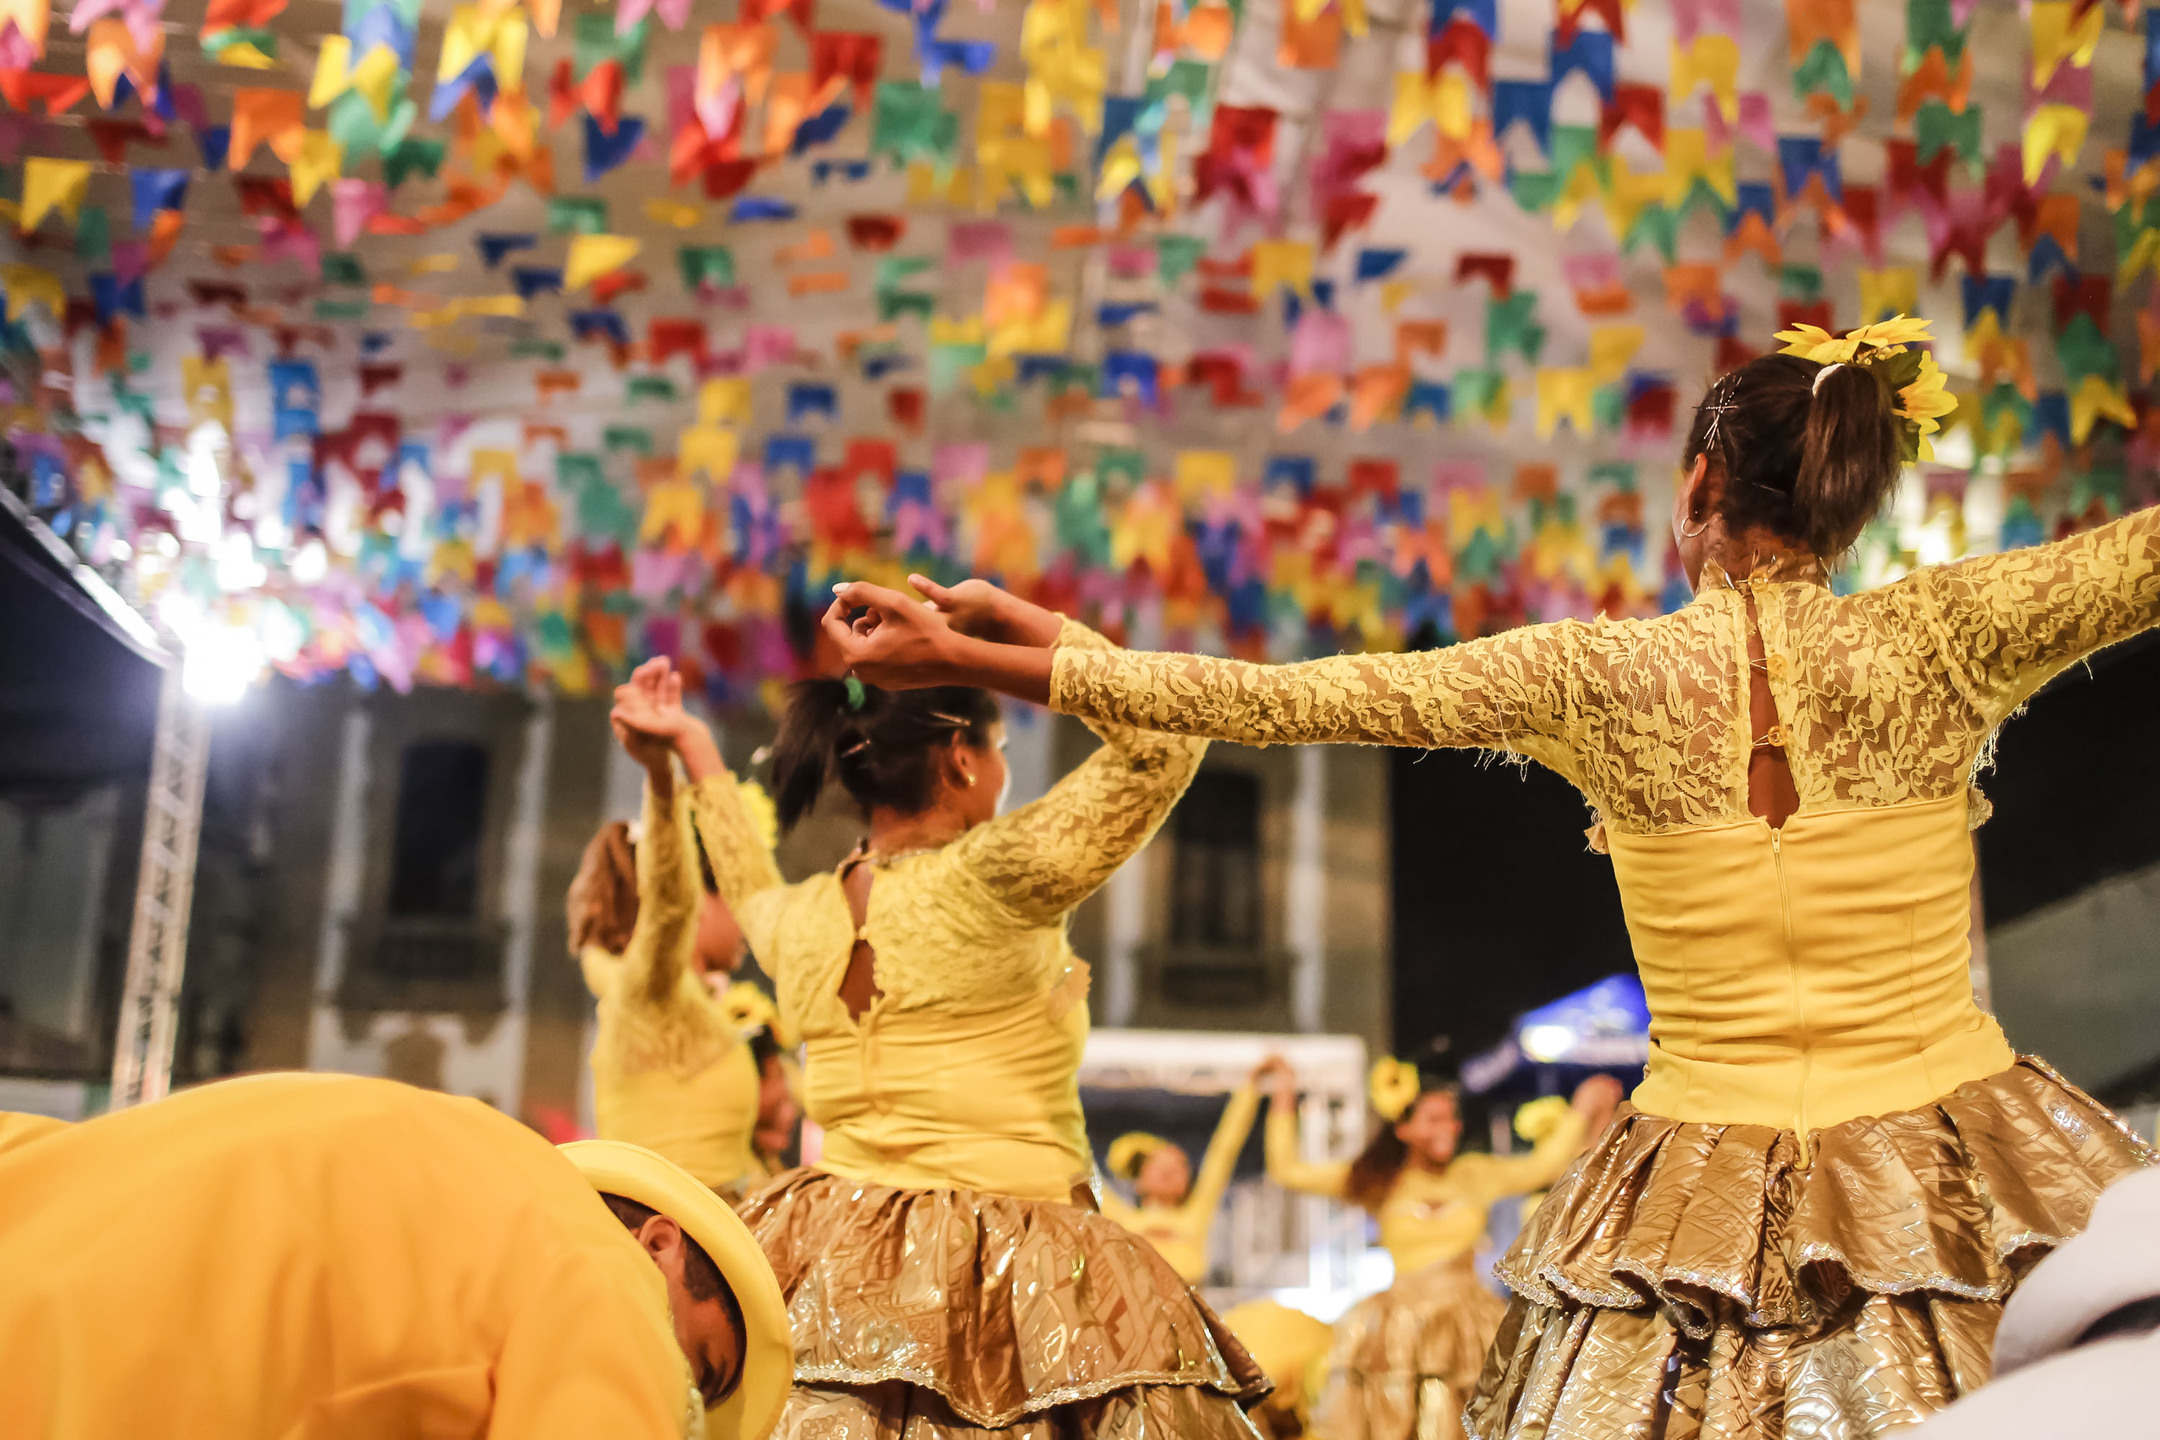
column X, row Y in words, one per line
column 1605, row 1026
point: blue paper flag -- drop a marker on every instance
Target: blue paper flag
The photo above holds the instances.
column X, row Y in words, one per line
column 1592, row 53
column 822, row 128
column 494, row 247
column 1136, row 366
column 113, row 298
column 760, row 207
column 603, row 152
column 599, row 325
column 532, row 280
column 1293, row 470
column 805, row 399
column 782, row 451
column 1800, row 156
column 1987, row 292
column 213, row 141
column 1379, row 264
column 1527, row 100
column 157, row 190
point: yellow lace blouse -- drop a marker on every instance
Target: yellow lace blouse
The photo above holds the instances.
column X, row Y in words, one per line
column 670, row 1071
column 1428, row 1218
column 963, row 1073
column 1180, row 1232
column 1798, row 977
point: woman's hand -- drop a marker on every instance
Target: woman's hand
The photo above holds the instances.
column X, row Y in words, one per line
column 1277, row 1080
column 982, row 610
column 1596, row 1099
column 892, row 641
column 649, row 715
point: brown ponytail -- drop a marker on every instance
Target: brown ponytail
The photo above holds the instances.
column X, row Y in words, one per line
column 1812, row 463
column 604, row 898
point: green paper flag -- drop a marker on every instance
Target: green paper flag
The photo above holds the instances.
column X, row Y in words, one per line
column 1127, row 465
column 93, row 236
column 577, row 214
column 649, row 387
column 949, row 362
column 1800, row 282
column 596, row 41
column 1511, row 324
column 635, row 438
column 1534, row 190
column 704, row 265
column 216, row 42
column 892, row 304
column 342, row 269
column 1928, row 26
column 533, row 348
column 1658, row 225
column 351, row 122
column 342, row 309
column 2084, row 351
column 1824, row 69
column 1176, row 255
column 1935, row 126
column 910, row 122
column 412, row 156
column 1620, row 474
column 1477, row 392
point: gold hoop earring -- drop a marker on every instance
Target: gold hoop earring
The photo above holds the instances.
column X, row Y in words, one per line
column 969, row 776
column 1687, row 534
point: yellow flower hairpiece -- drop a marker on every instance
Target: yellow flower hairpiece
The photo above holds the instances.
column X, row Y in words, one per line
column 1130, row 1151
column 1888, row 347
column 746, row 1007
column 1393, row 1087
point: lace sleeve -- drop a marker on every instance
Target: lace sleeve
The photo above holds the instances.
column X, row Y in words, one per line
column 658, row 955
column 1045, row 858
column 1505, row 692
column 2012, row 622
column 742, row 865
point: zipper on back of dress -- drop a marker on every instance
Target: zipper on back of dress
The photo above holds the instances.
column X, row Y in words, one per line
column 1792, row 970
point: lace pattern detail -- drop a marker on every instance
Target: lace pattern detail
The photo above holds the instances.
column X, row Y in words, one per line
column 655, row 1011
column 1888, row 696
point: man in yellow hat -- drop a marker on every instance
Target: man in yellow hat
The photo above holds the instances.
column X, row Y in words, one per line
column 338, row 1258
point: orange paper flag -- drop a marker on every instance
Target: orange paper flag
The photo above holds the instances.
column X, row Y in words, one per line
column 273, row 117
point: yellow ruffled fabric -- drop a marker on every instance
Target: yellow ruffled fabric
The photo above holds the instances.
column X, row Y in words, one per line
column 1845, row 1294
column 1405, row 1360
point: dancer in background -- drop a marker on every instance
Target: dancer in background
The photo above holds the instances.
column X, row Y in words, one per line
column 947, row 1272
column 329, row 1256
column 671, row 1070
column 1835, row 1169
column 1176, row 1209
column 1406, row 1359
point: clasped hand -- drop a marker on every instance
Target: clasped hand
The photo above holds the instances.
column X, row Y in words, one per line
column 895, row 642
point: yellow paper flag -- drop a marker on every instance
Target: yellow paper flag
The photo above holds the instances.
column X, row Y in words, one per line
column 711, row 448
column 1285, row 263
column 2057, row 130
column 319, row 160
column 592, row 256
column 50, row 185
column 1611, row 348
column 678, row 213
column 1887, row 292
column 1205, row 473
column 25, row 283
column 724, row 401
column 2057, row 37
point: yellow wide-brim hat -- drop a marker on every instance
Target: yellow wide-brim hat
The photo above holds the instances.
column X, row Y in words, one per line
column 768, row 1372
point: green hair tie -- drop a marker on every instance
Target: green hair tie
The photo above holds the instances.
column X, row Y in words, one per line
column 857, row 697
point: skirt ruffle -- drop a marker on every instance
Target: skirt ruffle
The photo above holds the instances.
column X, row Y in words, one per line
column 931, row 1313
column 1689, row 1278
column 1406, row 1359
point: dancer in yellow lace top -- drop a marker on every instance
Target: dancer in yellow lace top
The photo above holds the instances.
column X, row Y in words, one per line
column 1176, row 1209
column 671, row 1071
column 944, row 1264
column 1404, row 1360
column 1835, row 1167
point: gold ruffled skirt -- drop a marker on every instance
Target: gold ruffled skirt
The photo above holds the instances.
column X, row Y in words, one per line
column 1406, row 1359
column 1699, row 1280
column 950, row 1315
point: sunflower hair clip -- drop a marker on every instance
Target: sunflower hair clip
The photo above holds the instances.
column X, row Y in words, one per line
column 1393, row 1087
column 1130, row 1151
column 1891, row 349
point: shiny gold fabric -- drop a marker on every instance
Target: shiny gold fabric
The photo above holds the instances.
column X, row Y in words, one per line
column 951, row 1313
column 1406, row 1359
column 1689, row 1279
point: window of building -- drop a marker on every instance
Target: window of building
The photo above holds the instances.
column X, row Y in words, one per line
column 1215, row 894
column 441, row 819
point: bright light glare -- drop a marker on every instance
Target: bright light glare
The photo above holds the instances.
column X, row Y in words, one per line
column 1546, row 1043
column 222, row 661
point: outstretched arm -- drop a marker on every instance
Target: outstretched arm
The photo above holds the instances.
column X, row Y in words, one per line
column 1502, row 1175
column 1046, row 857
column 2011, row 622
column 1507, row 692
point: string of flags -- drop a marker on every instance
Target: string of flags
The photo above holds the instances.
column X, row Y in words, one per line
column 624, row 331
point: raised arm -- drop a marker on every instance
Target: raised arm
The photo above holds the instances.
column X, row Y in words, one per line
column 1506, row 692
column 658, row 957
column 2009, row 623
column 1587, row 1113
column 1220, row 1162
column 1328, row 1178
column 1046, row 857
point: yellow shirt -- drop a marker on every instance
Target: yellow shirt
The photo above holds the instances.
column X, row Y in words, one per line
column 1179, row 1232
column 325, row 1257
column 964, row 1073
column 669, row 1071
column 1427, row 1217
column 1798, row 978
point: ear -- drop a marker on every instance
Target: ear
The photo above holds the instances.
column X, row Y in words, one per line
column 1695, row 490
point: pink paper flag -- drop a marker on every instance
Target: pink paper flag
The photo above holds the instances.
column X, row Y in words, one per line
column 1704, row 17
column 979, row 240
column 355, row 202
column 1321, row 343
